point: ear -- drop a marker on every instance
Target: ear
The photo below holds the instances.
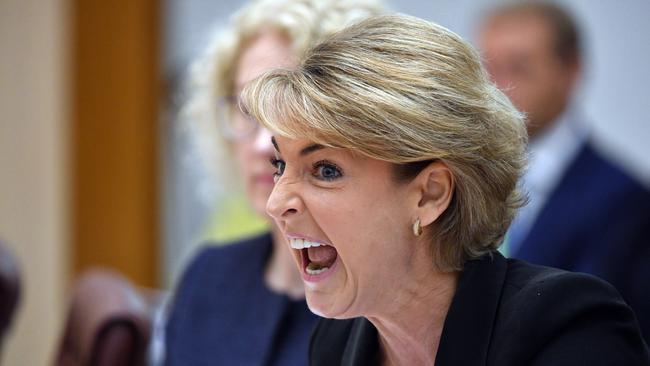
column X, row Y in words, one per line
column 435, row 185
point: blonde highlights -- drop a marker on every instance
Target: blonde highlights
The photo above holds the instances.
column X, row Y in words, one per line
column 403, row 90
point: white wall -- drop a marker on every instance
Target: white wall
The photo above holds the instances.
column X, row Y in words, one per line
column 32, row 169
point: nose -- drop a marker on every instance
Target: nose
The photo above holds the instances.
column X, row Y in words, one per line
column 262, row 141
column 284, row 202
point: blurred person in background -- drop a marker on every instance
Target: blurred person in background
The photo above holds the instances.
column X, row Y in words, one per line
column 585, row 213
column 243, row 303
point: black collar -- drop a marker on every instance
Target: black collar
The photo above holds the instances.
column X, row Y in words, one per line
column 473, row 310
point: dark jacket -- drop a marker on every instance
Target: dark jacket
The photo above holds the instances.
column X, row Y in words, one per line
column 510, row 313
column 223, row 313
column 597, row 221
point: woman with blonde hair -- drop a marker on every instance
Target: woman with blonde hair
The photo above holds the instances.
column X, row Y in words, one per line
column 397, row 163
column 243, row 303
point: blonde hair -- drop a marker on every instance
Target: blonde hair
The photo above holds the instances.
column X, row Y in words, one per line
column 304, row 22
column 406, row 91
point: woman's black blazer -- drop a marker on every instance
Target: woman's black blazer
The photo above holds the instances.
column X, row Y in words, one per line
column 508, row 312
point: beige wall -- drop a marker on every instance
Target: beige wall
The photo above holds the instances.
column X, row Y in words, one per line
column 33, row 169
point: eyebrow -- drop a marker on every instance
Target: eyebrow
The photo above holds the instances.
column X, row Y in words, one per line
column 275, row 144
column 310, row 149
column 304, row 151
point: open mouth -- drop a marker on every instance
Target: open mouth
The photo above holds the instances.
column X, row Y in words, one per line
column 316, row 258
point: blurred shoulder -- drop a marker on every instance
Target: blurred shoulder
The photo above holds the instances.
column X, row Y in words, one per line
column 607, row 176
column 229, row 253
column 215, row 264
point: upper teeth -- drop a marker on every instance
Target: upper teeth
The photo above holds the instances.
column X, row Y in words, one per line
column 303, row 243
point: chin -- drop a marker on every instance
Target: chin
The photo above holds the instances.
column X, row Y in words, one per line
column 320, row 310
column 325, row 307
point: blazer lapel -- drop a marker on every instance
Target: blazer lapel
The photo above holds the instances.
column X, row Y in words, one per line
column 468, row 327
column 363, row 345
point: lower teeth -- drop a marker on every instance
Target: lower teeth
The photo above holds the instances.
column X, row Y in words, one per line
column 314, row 269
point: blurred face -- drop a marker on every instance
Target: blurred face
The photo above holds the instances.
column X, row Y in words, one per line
column 347, row 221
column 253, row 151
column 519, row 55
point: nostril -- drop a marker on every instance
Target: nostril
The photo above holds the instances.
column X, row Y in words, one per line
column 290, row 211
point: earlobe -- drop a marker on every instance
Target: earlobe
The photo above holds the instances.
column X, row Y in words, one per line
column 436, row 183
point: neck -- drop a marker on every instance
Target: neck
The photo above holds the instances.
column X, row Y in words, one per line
column 281, row 275
column 409, row 334
column 537, row 128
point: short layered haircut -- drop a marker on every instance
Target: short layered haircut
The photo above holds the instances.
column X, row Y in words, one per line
column 406, row 91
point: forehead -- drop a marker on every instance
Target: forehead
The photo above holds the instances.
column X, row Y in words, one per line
column 268, row 50
column 516, row 32
column 298, row 148
column 288, row 145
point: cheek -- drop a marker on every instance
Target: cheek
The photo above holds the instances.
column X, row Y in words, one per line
column 243, row 157
column 241, row 151
column 527, row 94
column 363, row 229
column 543, row 77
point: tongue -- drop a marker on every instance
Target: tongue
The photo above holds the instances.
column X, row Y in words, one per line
column 323, row 256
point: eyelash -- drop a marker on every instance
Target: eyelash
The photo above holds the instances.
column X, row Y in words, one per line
column 317, row 167
column 326, row 164
column 279, row 165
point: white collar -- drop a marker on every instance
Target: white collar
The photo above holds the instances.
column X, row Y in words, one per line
column 552, row 152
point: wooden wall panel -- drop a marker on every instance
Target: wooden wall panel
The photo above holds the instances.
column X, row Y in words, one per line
column 115, row 155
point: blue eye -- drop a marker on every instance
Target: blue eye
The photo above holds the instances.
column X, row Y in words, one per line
column 327, row 171
column 279, row 165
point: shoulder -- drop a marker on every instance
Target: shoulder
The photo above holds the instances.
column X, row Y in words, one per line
column 214, row 259
column 554, row 317
column 596, row 203
column 531, row 287
column 210, row 300
column 250, row 246
column 219, row 271
column 601, row 173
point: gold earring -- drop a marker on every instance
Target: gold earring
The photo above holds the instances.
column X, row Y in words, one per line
column 417, row 229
